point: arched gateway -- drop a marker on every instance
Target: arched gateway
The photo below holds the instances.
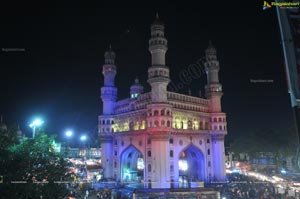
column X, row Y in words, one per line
column 191, row 165
column 132, row 165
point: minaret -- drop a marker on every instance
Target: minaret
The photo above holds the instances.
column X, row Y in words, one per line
column 213, row 88
column 214, row 93
column 108, row 96
column 158, row 73
column 109, row 91
column 159, row 111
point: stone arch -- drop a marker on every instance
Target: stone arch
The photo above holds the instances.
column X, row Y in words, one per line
column 195, row 160
column 131, row 125
column 168, row 111
column 190, row 124
column 201, row 125
column 206, row 126
column 156, row 123
column 168, row 123
column 129, row 167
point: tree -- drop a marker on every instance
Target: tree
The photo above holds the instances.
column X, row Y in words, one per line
column 280, row 144
column 32, row 168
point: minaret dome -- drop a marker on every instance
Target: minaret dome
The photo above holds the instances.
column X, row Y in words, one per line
column 136, row 89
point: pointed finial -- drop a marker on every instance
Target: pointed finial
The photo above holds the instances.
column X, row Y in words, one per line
column 157, row 20
column 136, row 81
column 157, row 16
column 109, row 56
column 211, row 50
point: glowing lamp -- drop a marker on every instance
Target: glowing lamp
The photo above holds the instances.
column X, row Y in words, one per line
column 69, row 133
column 36, row 123
column 140, row 164
column 83, row 138
column 183, row 165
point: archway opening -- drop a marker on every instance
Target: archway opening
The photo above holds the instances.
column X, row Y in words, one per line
column 191, row 166
column 132, row 165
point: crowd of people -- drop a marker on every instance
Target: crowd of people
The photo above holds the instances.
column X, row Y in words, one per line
column 90, row 194
column 245, row 187
column 238, row 186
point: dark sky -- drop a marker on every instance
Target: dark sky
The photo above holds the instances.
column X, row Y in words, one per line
column 56, row 73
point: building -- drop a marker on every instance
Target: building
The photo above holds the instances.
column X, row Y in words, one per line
column 94, row 153
column 161, row 137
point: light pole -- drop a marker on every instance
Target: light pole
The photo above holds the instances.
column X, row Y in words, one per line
column 288, row 41
column 34, row 124
column 69, row 134
column 83, row 139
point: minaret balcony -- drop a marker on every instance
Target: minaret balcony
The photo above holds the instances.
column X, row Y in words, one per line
column 159, row 79
column 158, row 46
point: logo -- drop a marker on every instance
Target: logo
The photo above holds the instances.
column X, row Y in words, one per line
column 266, row 5
column 282, row 5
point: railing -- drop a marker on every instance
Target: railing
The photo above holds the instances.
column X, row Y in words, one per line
column 187, row 98
column 123, row 105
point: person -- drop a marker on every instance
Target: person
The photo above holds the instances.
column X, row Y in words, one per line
column 286, row 192
column 86, row 194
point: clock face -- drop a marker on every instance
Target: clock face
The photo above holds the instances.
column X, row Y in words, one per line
column 108, row 69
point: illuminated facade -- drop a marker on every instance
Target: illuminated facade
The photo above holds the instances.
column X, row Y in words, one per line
column 162, row 138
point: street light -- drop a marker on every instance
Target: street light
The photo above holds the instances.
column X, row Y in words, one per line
column 69, row 133
column 34, row 124
column 83, row 138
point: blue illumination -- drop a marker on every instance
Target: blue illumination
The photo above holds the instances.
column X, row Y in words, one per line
column 134, row 95
column 283, row 171
column 36, row 122
column 83, row 138
column 69, row 133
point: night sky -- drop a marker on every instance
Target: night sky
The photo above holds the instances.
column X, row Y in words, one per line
column 56, row 71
